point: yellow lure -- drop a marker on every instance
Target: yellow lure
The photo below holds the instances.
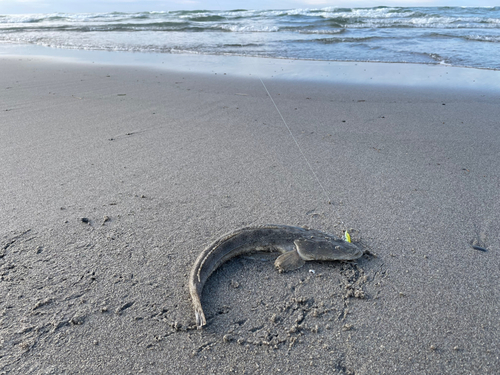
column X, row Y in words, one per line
column 347, row 237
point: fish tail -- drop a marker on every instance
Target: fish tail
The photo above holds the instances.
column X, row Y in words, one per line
column 200, row 317
column 195, row 291
column 198, row 311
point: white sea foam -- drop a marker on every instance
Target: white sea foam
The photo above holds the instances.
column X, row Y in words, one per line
column 484, row 38
column 461, row 36
column 323, row 32
column 246, row 28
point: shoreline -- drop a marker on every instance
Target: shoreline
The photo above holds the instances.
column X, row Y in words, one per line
column 370, row 73
column 116, row 177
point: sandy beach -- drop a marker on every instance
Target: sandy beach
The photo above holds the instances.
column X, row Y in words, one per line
column 115, row 177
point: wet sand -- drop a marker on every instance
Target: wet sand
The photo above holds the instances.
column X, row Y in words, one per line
column 114, row 178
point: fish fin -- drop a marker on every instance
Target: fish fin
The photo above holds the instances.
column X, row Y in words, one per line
column 289, row 261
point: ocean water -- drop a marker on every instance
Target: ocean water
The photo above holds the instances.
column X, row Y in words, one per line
column 458, row 36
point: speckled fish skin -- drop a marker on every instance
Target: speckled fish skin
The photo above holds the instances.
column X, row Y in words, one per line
column 309, row 244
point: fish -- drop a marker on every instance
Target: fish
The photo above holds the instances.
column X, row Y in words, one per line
column 296, row 245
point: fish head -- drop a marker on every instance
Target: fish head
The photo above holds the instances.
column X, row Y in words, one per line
column 327, row 249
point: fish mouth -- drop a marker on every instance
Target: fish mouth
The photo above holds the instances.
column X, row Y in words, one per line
column 359, row 254
column 355, row 253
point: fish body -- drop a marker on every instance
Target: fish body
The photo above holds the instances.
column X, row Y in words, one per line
column 296, row 244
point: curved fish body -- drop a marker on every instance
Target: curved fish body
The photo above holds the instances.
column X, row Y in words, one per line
column 296, row 244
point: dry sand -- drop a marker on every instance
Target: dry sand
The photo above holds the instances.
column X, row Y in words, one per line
column 160, row 163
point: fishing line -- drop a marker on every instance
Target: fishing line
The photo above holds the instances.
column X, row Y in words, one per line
column 297, row 143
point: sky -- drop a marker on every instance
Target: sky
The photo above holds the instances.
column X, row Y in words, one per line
column 91, row 6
